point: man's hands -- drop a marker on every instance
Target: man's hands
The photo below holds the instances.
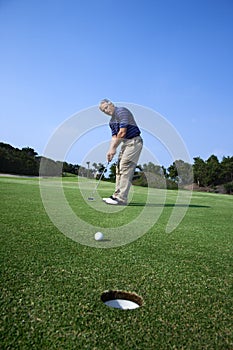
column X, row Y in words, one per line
column 111, row 153
column 116, row 140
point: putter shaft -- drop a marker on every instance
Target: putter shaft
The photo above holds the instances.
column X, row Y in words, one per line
column 91, row 198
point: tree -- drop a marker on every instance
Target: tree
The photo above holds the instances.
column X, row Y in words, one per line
column 213, row 171
column 149, row 174
column 29, row 151
column 226, row 169
column 164, row 171
column 70, row 168
column 139, row 178
column 229, row 187
column 99, row 169
column 184, row 172
column 152, row 168
column 16, row 161
column 112, row 172
column 200, row 172
column 180, row 172
column 172, row 172
column 153, row 176
column 49, row 167
column 88, row 169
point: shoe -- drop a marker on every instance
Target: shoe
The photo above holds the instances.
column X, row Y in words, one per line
column 114, row 201
column 112, row 197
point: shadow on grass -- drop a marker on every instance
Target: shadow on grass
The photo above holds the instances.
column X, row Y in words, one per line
column 138, row 204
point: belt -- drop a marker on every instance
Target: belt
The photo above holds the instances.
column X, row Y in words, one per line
column 133, row 137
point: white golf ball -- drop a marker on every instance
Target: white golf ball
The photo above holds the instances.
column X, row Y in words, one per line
column 99, row 236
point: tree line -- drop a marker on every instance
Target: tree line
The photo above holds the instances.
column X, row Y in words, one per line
column 210, row 173
column 26, row 161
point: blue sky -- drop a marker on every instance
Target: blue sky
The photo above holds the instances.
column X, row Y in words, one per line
column 59, row 57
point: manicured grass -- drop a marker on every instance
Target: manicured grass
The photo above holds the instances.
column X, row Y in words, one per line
column 51, row 285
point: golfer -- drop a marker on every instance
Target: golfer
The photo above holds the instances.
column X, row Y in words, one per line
column 125, row 132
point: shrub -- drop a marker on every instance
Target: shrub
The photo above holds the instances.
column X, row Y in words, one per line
column 229, row 187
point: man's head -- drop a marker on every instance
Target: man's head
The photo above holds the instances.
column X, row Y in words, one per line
column 107, row 107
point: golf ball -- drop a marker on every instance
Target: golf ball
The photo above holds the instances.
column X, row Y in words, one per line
column 99, row 236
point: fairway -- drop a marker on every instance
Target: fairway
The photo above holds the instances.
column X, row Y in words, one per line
column 51, row 285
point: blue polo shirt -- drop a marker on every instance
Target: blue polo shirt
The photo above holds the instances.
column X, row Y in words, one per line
column 123, row 118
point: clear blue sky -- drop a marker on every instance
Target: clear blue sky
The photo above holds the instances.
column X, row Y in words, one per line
column 62, row 56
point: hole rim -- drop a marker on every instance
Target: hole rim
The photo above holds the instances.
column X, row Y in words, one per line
column 109, row 295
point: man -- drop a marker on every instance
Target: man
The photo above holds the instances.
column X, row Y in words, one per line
column 125, row 131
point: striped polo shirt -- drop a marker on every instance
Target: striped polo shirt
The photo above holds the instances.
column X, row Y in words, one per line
column 123, row 118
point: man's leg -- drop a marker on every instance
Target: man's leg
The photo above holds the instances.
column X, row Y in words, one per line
column 118, row 175
column 128, row 162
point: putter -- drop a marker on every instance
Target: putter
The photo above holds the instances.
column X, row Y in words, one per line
column 91, row 198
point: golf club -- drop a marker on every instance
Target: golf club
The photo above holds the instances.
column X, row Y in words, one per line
column 91, row 198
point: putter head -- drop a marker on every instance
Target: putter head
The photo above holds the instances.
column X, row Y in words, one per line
column 90, row 198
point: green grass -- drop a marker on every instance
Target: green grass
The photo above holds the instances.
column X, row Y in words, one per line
column 51, row 285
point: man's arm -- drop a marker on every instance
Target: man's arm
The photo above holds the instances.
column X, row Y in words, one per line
column 116, row 140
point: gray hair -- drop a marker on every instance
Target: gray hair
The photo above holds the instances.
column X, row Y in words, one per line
column 105, row 100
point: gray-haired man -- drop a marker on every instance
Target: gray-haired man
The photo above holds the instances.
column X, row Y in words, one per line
column 125, row 131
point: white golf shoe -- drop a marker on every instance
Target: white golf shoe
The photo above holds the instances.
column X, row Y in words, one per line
column 111, row 197
column 114, row 201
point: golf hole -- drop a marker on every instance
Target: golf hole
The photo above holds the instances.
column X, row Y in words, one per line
column 121, row 299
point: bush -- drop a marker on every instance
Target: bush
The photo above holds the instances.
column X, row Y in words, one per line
column 229, row 187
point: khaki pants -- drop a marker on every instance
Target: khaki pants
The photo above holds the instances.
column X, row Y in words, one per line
column 127, row 162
